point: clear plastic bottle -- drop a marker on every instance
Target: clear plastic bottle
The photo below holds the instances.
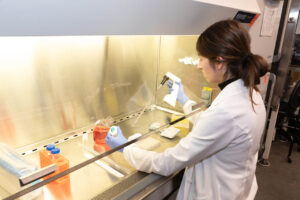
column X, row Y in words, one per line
column 99, row 134
column 60, row 188
column 45, row 155
column 55, row 153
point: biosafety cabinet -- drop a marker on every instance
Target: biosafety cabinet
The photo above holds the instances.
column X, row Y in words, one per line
column 66, row 64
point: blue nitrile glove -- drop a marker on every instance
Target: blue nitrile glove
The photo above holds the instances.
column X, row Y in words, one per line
column 118, row 140
column 181, row 97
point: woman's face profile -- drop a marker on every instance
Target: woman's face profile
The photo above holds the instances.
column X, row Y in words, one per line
column 210, row 73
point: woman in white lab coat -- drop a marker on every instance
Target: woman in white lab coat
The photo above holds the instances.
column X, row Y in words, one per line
column 220, row 152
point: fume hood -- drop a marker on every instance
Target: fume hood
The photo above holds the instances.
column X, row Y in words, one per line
column 64, row 65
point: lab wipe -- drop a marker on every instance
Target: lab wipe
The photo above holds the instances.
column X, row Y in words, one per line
column 12, row 167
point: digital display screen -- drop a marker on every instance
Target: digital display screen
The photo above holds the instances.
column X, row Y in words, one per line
column 245, row 17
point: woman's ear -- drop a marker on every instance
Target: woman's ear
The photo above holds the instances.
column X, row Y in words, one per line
column 220, row 59
column 220, row 64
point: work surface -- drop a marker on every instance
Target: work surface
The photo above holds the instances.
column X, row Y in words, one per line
column 93, row 180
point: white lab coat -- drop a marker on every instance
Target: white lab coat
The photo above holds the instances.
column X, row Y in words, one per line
column 220, row 153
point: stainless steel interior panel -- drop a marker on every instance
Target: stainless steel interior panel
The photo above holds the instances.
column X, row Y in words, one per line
column 52, row 85
column 130, row 73
column 49, row 85
column 172, row 49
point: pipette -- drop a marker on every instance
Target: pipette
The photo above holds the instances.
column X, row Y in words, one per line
column 165, row 78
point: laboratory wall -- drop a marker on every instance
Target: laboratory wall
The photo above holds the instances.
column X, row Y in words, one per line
column 262, row 42
column 56, row 85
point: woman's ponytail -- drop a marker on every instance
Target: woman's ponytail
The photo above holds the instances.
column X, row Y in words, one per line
column 253, row 67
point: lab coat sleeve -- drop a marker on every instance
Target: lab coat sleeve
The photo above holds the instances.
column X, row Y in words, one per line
column 187, row 108
column 212, row 133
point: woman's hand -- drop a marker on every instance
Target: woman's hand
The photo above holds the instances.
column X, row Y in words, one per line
column 116, row 138
column 181, row 97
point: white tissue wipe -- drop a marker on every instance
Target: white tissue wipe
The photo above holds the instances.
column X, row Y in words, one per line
column 170, row 132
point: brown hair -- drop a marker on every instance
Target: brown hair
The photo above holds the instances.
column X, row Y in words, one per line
column 227, row 39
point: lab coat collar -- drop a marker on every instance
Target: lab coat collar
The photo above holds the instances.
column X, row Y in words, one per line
column 227, row 82
column 231, row 89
